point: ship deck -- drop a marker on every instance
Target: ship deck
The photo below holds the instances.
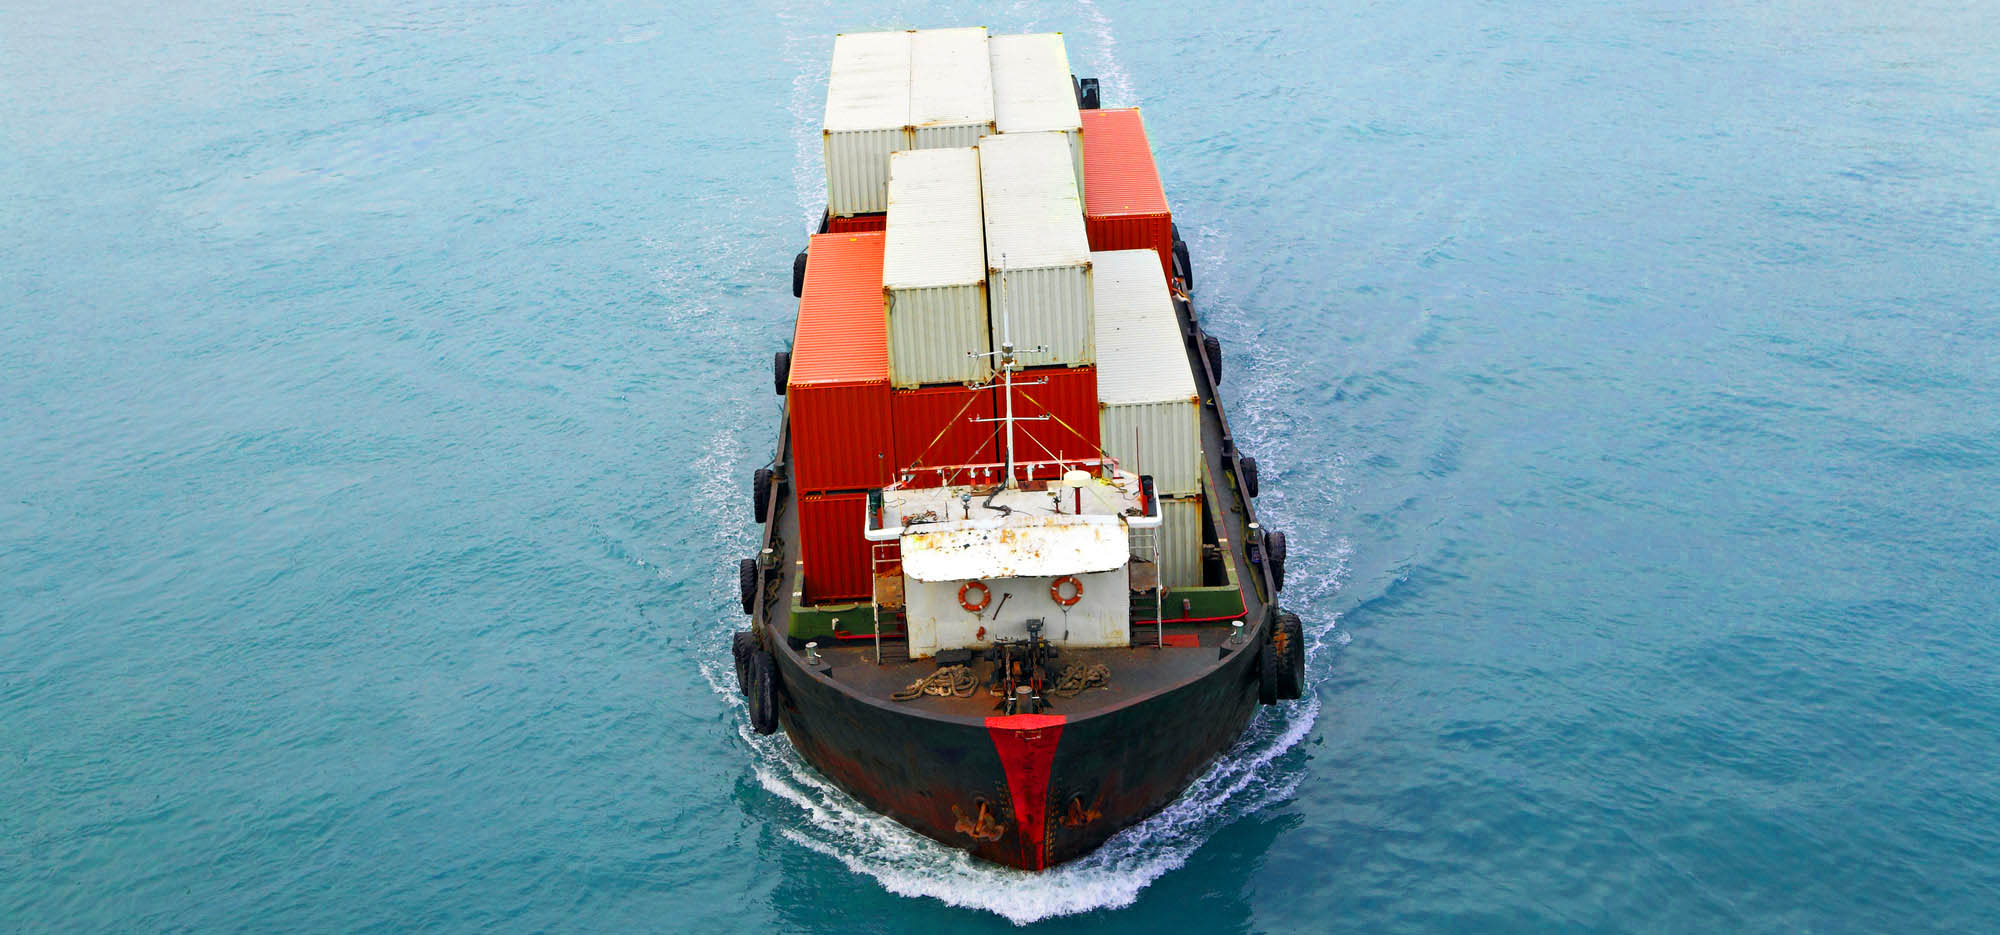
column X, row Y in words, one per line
column 1143, row 669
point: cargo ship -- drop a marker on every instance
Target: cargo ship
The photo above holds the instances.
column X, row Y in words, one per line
column 1011, row 590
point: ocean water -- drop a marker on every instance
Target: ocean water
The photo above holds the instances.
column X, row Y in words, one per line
column 380, row 384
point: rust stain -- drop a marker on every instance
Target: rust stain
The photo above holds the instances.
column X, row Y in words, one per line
column 984, row 828
column 1077, row 814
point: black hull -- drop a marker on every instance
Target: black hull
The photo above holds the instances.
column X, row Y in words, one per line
column 1030, row 791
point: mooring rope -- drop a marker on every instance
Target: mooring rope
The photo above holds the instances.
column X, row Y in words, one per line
column 1076, row 678
column 956, row 681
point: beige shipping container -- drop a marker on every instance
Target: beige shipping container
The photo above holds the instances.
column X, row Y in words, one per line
column 1037, row 255
column 1149, row 414
column 1033, row 90
column 951, row 87
column 867, row 118
column 934, row 269
column 1180, row 542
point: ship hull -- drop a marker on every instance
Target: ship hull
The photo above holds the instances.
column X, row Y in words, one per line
column 1027, row 791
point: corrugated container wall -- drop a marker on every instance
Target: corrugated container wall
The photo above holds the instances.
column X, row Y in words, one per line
column 1124, row 204
column 951, row 87
column 858, row 223
column 1037, row 257
column 934, row 273
column 838, row 390
column 1180, row 541
column 935, row 428
column 1069, row 396
column 1033, row 91
column 1150, row 417
column 832, row 547
column 867, row 118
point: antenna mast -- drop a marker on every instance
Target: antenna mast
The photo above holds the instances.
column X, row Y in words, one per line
column 1007, row 362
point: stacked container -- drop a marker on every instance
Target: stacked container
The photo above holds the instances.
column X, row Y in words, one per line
column 1149, row 412
column 940, row 427
column 895, row 91
column 1067, row 397
column 867, row 118
column 1033, row 93
column 1037, row 257
column 839, row 409
column 857, row 224
column 934, row 271
column 832, row 549
column 1180, row 541
column 1124, row 204
column 951, row 87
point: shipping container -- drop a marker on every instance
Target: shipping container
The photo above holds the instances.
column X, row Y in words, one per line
column 838, row 565
column 1180, row 542
column 1150, row 418
column 1068, row 395
column 1033, row 91
column 934, row 273
column 860, row 223
column 838, row 391
column 1124, row 204
column 1037, row 257
column 936, row 427
column 951, row 87
column 867, row 118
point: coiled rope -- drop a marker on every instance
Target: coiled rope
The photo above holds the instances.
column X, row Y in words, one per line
column 956, row 681
column 1076, row 678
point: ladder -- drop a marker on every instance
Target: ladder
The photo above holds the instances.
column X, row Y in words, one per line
column 885, row 584
column 1146, row 547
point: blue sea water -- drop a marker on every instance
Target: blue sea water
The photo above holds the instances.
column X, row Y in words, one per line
column 380, row 384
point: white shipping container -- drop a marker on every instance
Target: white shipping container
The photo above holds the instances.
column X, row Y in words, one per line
column 1033, row 90
column 951, row 87
column 1149, row 413
column 867, row 118
column 934, row 269
column 1037, row 255
column 1180, row 542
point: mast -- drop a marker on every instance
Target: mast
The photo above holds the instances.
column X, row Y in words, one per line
column 1007, row 360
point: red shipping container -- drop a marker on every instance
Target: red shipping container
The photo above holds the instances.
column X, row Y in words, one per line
column 838, row 565
column 838, row 390
column 1124, row 204
column 934, row 428
column 1069, row 395
column 860, row 223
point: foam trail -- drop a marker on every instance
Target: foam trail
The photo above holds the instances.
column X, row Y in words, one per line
column 1111, row 76
column 810, row 55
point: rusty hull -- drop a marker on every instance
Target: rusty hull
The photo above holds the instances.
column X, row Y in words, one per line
column 1027, row 791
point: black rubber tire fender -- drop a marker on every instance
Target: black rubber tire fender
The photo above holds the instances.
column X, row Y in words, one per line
column 1289, row 648
column 1274, row 557
column 1247, row 473
column 799, row 275
column 763, row 693
column 1267, row 672
column 1211, row 348
column 781, row 370
column 760, row 494
column 741, row 644
column 1182, row 267
column 747, row 579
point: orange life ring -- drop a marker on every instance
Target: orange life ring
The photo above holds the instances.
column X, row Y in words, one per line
column 1056, row 590
column 985, row 595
